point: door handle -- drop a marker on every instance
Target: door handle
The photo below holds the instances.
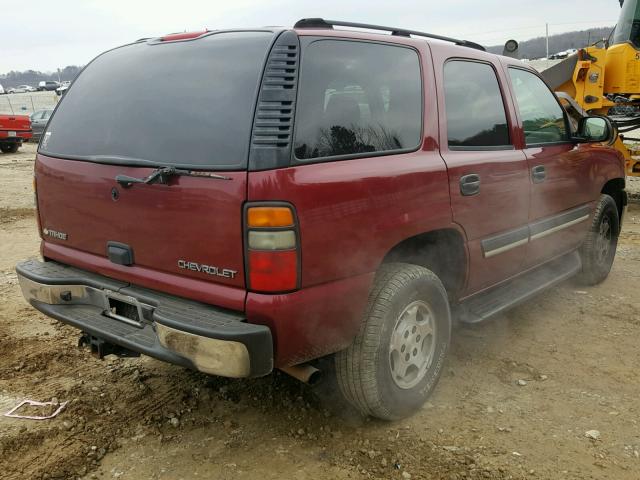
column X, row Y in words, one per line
column 538, row 174
column 470, row 184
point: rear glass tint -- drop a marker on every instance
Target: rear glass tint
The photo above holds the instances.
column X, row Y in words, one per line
column 186, row 103
column 475, row 109
column 357, row 98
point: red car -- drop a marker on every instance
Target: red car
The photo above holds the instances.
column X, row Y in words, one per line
column 14, row 129
column 265, row 198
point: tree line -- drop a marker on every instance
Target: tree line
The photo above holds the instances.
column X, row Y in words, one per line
column 536, row 48
column 531, row 49
column 33, row 77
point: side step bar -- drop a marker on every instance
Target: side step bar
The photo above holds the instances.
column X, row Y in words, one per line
column 504, row 297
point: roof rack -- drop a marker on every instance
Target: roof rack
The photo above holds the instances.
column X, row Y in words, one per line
column 329, row 24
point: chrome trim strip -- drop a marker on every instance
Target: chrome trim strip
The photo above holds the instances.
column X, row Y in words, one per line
column 541, row 225
column 511, row 239
column 549, row 231
column 505, row 248
column 505, row 241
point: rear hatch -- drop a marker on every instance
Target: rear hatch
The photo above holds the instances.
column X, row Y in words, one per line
column 14, row 123
column 187, row 104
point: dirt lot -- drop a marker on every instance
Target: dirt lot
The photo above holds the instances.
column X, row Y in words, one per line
column 575, row 349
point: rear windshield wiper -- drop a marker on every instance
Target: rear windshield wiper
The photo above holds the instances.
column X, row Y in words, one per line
column 162, row 175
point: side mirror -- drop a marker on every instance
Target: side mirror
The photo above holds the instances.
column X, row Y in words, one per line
column 595, row 129
column 511, row 49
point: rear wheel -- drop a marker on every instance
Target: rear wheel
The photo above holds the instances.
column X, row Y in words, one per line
column 9, row 147
column 599, row 248
column 395, row 361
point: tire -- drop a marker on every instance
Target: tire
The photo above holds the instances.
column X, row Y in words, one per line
column 9, row 147
column 599, row 248
column 406, row 300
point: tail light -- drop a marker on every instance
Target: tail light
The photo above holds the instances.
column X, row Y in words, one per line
column 39, row 223
column 273, row 254
column 35, row 202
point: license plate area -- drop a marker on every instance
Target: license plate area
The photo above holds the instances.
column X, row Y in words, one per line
column 124, row 308
column 11, row 134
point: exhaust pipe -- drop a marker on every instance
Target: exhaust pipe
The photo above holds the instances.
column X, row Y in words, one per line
column 304, row 372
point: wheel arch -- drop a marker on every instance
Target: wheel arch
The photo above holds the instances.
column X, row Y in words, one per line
column 442, row 251
column 615, row 189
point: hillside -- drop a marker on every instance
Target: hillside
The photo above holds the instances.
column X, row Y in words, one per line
column 535, row 48
column 32, row 77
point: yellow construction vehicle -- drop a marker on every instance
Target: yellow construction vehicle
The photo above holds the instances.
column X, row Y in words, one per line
column 604, row 78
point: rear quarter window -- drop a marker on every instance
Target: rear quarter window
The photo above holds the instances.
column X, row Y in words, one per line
column 357, row 99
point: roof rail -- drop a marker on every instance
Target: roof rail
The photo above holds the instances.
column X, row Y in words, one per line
column 329, row 24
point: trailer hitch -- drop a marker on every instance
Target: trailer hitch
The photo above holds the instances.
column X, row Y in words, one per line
column 101, row 348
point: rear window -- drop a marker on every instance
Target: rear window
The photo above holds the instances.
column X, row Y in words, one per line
column 186, row 103
column 357, row 98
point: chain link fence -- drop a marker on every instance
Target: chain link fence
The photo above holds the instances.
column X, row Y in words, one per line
column 27, row 103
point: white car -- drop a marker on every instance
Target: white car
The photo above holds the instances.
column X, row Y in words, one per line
column 2, row 92
column 21, row 89
column 62, row 89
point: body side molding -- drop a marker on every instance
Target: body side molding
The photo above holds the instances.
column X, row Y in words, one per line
column 506, row 241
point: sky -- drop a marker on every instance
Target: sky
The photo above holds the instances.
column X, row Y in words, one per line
column 45, row 35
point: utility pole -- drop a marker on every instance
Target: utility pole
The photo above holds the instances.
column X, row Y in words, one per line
column 547, row 38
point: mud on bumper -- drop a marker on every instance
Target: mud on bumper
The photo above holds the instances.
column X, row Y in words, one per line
column 176, row 330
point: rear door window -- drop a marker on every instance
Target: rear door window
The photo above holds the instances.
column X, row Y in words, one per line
column 358, row 98
column 542, row 117
column 476, row 117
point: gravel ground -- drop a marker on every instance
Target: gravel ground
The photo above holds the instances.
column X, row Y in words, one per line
column 516, row 401
column 633, row 188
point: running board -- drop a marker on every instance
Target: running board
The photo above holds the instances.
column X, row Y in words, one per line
column 504, row 297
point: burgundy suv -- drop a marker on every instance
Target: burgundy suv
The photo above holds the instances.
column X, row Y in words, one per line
column 243, row 200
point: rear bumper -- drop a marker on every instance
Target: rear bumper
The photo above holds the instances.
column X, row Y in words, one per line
column 187, row 333
column 19, row 137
